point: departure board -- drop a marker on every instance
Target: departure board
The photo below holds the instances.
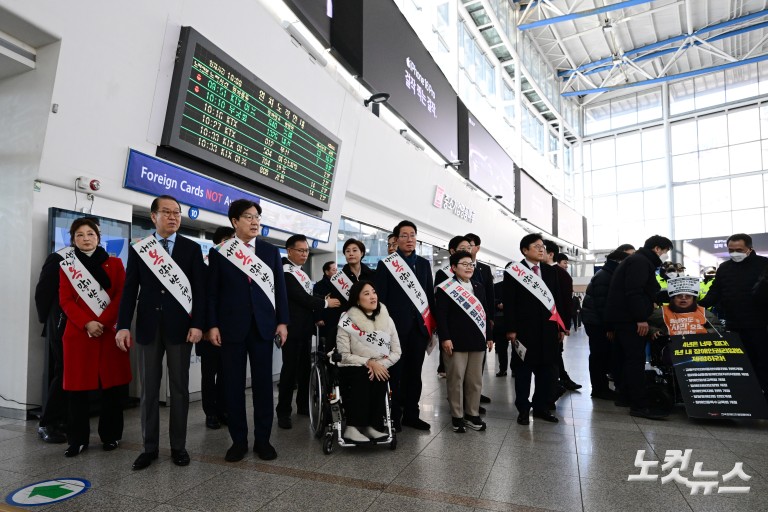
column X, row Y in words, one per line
column 223, row 114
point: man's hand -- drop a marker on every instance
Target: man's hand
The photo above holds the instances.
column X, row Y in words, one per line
column 490, row 345
column 282, row 330
column 560, row 336
column 512, row 336
column 611, row 335
column 447, row 347
column 333, row 303
column 376, row 370
column 320, row 323
column 214, row 336
column 123, row 339
column 94, row 328
column 642, row 328
column 194, row 335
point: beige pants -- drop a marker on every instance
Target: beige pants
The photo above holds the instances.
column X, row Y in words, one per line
column 465, row 374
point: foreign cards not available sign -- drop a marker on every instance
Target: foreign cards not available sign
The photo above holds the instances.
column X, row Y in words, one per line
column 48, row 491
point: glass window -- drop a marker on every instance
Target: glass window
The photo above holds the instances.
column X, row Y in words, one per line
column 588, row 184
column 624, row 112
column 656, row 204
column 630, row 207
column 743, row 125
column 747, row 192
column 653, row 143
column 681, row 97
column 628, row 149
column 762, row 71
column 687, row 199
column 713, row 163
column 688, row 226
column 685, row 167
column 632, row 230
column 604, row 210
column 716, row 224
column 654, row 172
column 603, row 153
column 629, row 177
column 749, row 221
column 764, row 118
column 604, row 181
column 684, row 137
column 710, row 90
column 597, row 118
column 715, row 196
column 741, row 82
column 746, row 157
column 605, row 237
column 649, row 106
column 712, row 131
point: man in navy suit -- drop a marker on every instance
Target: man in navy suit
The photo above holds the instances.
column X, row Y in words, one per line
column 163, row 326
column 405, row 376
column 245, row 314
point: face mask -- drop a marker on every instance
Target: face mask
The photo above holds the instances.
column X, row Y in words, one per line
column 737, row 256
column 672, row 275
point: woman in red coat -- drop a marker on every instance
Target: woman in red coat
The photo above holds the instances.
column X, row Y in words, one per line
column 89, row 293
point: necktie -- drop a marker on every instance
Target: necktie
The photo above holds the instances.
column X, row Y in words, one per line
column 164, row 243
column 536, row 269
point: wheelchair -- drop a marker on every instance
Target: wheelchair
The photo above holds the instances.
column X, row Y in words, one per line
column 662, row 388
column 326, row 406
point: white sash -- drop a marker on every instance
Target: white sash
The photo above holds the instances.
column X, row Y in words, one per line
column 411, row 286
column 237, row 253
column 86, row 286
column 464, row 297
column 379, row 341
column 447, row 270
column 538, row 289
column 342, row 283
column 300, row 276
column 165, row 269
column 67, row 253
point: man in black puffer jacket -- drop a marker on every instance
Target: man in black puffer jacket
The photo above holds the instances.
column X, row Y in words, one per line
column 731, row 292
column 593, row 315
column 630, row 302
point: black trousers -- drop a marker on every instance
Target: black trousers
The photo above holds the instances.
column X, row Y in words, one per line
column 545, row 375
column 631, row 348
column 363, row 398
column 212, row 383
column 295, row 372
column 755, row 342
column 55, row 407
column 110, row 418
column 600, row 357
column 234, row 357
column 405, row 375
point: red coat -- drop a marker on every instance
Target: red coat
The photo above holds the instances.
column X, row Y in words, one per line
column 93, row 362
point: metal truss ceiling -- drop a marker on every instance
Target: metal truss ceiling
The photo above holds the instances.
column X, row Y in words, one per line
column 604, row 45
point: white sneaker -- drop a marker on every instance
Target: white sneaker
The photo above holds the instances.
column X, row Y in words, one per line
column 352, row 434
column 373, row 433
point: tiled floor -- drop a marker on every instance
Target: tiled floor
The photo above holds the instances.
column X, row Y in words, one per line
column 582, row 463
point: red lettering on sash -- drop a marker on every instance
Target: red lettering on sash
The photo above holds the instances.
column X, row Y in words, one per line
column 157, row 257
column 518, row 270
column 76, row 274
column 247, row 260
column 398, row 266
column 344, row 285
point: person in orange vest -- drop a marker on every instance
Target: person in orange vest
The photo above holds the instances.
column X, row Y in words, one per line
column 682, row 315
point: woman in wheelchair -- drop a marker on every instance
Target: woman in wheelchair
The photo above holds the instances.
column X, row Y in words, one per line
column 682, row 315
column 368, row 343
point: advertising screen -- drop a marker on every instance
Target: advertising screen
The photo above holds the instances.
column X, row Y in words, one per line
column 535, row 203
column 490, row 167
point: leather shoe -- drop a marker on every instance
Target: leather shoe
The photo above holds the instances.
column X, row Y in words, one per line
column 144, row 460
column 523, row 419
column 484, row 399
column 51, row 435
column 570, row 385
column 75, row 449
column 212, row 422
column 110, row 445
column 180, row 457
column 605, row 394
column 416, row 423
column 649, row 413
column 236, row 452
column 265, row 451
column 284, row 422
column 501, row 374
column 546, row 416
column 303, row 412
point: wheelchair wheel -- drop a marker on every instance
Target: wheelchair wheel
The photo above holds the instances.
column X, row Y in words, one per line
column 318, row 408
column 660, row 398
column 328, row 444
column 393, row 444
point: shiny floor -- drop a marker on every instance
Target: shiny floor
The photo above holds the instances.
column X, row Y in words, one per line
column 582, row 463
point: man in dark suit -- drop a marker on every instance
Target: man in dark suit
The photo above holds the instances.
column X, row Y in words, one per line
column 163, row 327
column 530, row 322
column 328, row 318
column 484, row 276
column 247, row 311
column 302, row 309
column 405, row 376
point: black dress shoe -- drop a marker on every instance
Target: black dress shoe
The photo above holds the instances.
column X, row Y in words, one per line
column 416, row 423
column 484, row 399
column 50, row 434
column 144, row 460
column 570, row 385
column 180, row 457
column 649, row 413
column 501, row 374
column 212, row 422
column 265, row 451
column 236, row 452
column 110, row 445
column 284, row 422
column 605, row 394
column 546, row 416
column 303, row 412
column 75, row 449
column 523, row 419
column 223, row 419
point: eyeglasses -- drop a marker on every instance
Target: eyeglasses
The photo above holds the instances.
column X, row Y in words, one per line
column 538, row 247
column 407, row 237
column 394, row 244
column 300, row 251
column 466, row 265
column 250, row 217
column 86, row 235
column 169, row 213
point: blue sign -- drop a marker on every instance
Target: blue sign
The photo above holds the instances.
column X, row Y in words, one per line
column 265, row 231
column 151, row 175
column 193, row 212
column 48, row 491
column 315, row 243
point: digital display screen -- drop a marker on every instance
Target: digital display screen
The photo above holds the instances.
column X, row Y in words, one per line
column 490, row 167
column 570, row 226
column 316, row 16
column 535, row 203
column 396, row 62
column 115, row 234
column 223, row 114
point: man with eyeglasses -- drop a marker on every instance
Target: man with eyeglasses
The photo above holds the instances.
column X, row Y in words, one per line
column 165, row 274
column 391, row 243
column 414, row 323
column 484, row 276
column 302, row 306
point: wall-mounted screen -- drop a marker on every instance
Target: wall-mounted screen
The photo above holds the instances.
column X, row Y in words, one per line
column 316, row 16
column 535, row 203
column 490, row 167
column 569, row 225
column 115, row 234
column 223, row 114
